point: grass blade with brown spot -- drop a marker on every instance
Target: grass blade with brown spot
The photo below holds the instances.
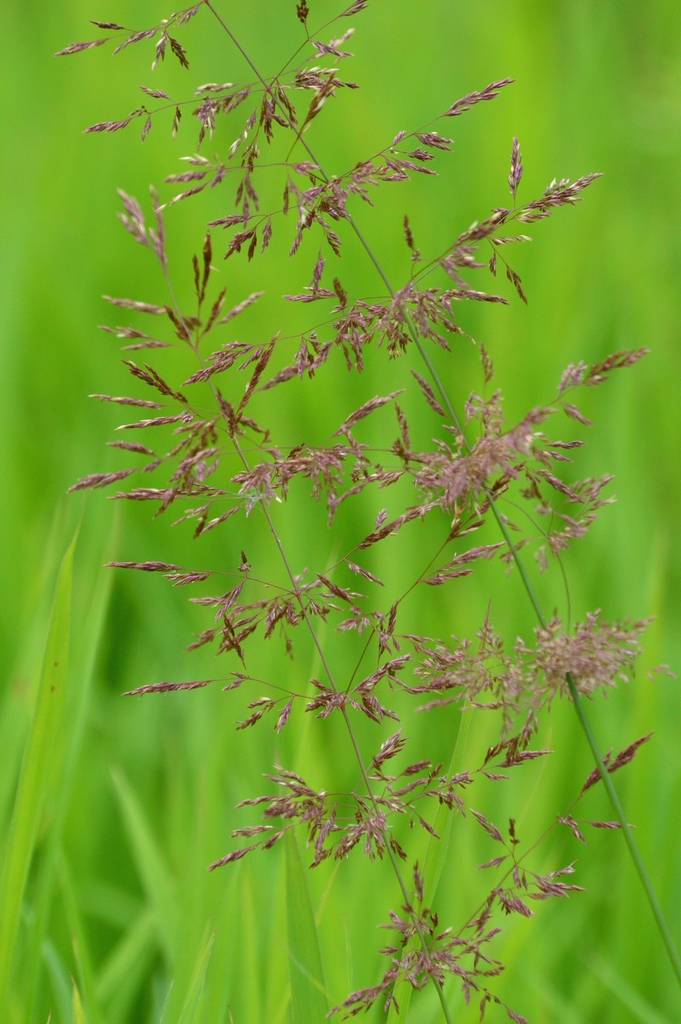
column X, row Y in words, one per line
column 35, row 770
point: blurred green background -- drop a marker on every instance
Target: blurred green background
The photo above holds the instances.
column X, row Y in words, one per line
column 118, row 895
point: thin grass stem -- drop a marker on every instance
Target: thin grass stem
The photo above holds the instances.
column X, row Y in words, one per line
column 634, row 851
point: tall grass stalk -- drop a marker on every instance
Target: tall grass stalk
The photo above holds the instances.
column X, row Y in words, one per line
column 463, row 481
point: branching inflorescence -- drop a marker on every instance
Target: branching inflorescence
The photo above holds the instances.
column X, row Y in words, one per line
column 461, row 480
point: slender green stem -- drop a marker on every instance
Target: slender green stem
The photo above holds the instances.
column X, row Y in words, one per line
column 658, row 914
column 238, row 46
column 574, row 693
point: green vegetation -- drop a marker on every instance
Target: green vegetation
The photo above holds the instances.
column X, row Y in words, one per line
column 112, row 808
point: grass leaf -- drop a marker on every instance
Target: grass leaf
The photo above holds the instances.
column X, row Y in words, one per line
column 59, row 981
column 640, row 1009
column 123, row 971
column 79, row 940
column 64, row 760
column 308, row 993
column 78, row 1012
column 150, row 862
column 192, row 1005
column 35, row 769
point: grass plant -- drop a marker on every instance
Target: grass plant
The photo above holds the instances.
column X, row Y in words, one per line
column 130, row 935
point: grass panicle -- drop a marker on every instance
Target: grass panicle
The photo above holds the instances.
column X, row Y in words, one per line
column 210, row 448
column 466, row 477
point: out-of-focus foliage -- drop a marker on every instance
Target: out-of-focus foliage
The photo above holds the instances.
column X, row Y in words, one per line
column 118, row 896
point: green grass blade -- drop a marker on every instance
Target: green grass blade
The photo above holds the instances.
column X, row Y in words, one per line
column 79, row 939
column 35, row 770
column 150, row 863
column 163, row 1019
column 59, row 979
column 436, row 852
column 402, row 995
column 123, row 971
column 192, row 1005
column 562, row 1011
column 14, row 722
column 249, row 999
column 220, row 979
column 65, row 757
column 278, row 984
column 18, row 699
column 78, row 1011
column 639, row 1007
column 308, row 994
